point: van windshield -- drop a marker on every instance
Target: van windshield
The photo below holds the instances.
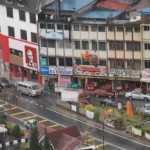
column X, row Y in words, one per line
column 35, row 87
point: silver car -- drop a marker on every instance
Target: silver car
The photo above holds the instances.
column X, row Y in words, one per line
column 144, row 109
column 141, row 95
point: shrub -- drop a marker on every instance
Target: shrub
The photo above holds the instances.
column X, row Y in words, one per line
column 16, row 131
column 97, row 114
column 2, row 120
column 90, row 107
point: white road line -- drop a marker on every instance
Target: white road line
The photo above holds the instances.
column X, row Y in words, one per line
column 31, row 102
column 36, row 104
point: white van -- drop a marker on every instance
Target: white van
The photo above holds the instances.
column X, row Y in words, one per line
column 29, row 88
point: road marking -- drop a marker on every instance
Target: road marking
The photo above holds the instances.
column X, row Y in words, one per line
column 55, row 125
column 26, row 118
column 100, row 145
column 43, row 120
column 11, row 108
column 41, row 106
column 31, row 102
column 19, row 113
column 36, row 104
column 89, row 140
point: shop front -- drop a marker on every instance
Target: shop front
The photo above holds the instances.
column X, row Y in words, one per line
column 85, row 74
column 145, row 80
column 56, row 77
column 124, row 79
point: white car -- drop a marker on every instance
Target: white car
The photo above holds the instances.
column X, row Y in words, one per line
column 144, row 109
column 136, row 94
column 135, row 18
column 31, row 123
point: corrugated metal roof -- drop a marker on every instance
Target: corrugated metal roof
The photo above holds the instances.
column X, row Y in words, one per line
column 72, row 5
column 99, row 14
column 112, row 5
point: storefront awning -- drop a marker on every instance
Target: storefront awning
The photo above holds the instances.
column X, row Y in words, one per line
column 145, row 80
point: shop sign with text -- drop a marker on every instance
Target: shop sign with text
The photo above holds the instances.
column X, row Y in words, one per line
column 89, row 70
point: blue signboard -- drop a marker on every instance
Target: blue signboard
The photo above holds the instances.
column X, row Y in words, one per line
column 44, row 70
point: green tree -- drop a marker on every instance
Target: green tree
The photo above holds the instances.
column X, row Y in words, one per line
column 34, row 142
column 16, row 131
column 46, row 142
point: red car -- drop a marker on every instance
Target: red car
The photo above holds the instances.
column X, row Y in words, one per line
column 103, row 93
column 91, row 86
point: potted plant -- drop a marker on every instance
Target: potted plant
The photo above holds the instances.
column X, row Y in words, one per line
column 90, row 109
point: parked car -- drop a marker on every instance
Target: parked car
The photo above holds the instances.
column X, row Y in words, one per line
column 107, row 102
column 4, row 82
column 137, row 94
column 103, row 93
column 31, row 123
column 91, row 86
column 144, row 109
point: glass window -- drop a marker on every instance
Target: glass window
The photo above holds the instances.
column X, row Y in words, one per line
column 111, row 45
column 137, row 46
column 52, row 61
column 78, row 61
column 51, row 43
column 146, row 46
column 136, row 29
column 129, row 64
column 50, row 26
column 111, row 28
column 94, row 45
column 128, row 29
column 33, row 37
column 23, row 34
column 102, row 62
column 85, row 45
column 93, row 28
column 22, row 16
column 43, row 43
column 137, row 64
column 129, row 46
column 120, row 29
column 84, row 28
column 68, row 61
column 9, row 12
column 76, row 27
column 119, row 45
column 146, row 28
column 61, row 62
column 66, row 27
column 15, row 52
column 32, row 18
column 42, row 26
column 67, row 43
column 102, row 46
column 119, row 64
column 59, row 27
column 77, row 44
column 11, row 31
column 147, row 64
column 112, row 63
column 101, row 28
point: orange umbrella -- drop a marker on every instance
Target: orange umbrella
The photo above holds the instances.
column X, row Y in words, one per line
column 129, row 109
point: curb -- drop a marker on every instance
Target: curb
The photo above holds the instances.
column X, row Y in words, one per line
column 14, row 142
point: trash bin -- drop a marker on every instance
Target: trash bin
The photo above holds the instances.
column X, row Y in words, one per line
column 119, row 105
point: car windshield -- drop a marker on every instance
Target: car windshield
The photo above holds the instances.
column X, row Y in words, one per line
column 147, row 107
column 35, row 87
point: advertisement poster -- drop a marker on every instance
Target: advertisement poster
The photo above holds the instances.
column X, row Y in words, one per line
column 30, row 58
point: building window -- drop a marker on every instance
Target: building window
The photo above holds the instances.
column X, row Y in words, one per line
column 137, row 46
column 119, row 45
column 43, row 43
column 94, row 45
column 111, row 28
column 23, row 34
column 128, row 29
column 42, row 26
column 137, row 64
column 22, row 16
column 102, row 62
column 136, row 29
column 112, row 63
column 51, row 43
column 119, row 64
column 119, row 29
column 84, row 28
column 78, row 61
column 9, row 12
column 146, row 46
column 59, row 27
column 129, row 64
column 50, row 26
column 61, row 62
column 85, row 45
column 93, row 28
column 147, row 64
column 21, row 3
column 52, row 61
column 77, row 44
column 66, row 27
column 111, row 45
column 33, row 37
column 15, row 52
column 67, row 44
column 32, row 18
column 146, row 28
column 76, row 27
column 68, row 61
column 129, row 46
column 11, row 31
column 101, row 28
column 102, row 46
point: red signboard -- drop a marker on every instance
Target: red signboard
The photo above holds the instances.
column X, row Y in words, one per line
column 89, row 70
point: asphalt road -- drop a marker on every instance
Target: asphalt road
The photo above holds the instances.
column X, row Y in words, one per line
column 43, row 106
